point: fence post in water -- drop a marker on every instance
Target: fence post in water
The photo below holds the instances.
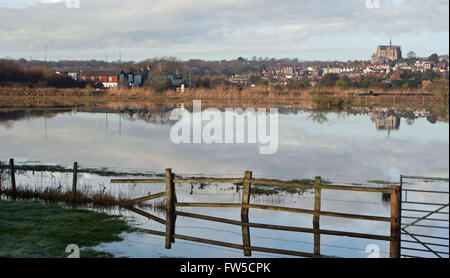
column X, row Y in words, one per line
column 13, row 178
column 74, row 183
column 247, row 189
column 395, row 222
column 170, row 209
column 316, row 218
column 244, row 213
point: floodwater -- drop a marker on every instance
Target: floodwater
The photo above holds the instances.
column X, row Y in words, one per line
column 360, row 148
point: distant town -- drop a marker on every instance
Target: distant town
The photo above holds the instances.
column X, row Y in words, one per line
column 387, row 68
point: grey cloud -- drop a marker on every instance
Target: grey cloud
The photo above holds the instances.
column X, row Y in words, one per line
column 103, row 23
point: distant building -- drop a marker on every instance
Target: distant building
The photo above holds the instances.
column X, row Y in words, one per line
column 109, row 79
column 386, row 54
column 132, row 78
column 385, row 122
column 403, row 66
column 443, row 58
column 427, row 65
column 331, row 70
column 173, row 80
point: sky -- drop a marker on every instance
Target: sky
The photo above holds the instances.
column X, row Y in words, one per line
column 220, row 29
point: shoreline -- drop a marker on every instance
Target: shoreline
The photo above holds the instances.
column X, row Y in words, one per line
column 220, row 92
column 139, row 98
column 93, row 98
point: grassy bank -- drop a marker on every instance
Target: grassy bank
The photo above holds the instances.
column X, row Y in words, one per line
column 325, row 97
column 203, row 93
column 35, row 230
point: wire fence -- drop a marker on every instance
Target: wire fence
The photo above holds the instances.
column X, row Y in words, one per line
column 94, row 177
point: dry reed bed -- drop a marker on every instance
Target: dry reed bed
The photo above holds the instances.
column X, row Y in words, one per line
column 58, row 195
column 327, row 97
column 248, row 93
column 219, row 92
column 52, row 92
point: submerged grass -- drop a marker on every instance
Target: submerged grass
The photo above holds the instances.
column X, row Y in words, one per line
column 103, row 198
column 57, row 195
column 105, row 172
column 262, row 189
column 383, row 182
column 36, row 230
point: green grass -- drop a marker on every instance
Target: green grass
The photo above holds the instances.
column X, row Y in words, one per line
column 310, row 181
column 36, row 230
column 383, row 182
column 258, row 190
column 261, row 189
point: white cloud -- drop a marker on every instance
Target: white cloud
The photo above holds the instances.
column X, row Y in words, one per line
column 22, row 4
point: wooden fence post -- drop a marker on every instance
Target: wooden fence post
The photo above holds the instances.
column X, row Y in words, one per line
column 75, row 181
column 247, row 189
column 244, row 213
column 170, row 190
column 316, row 218
column 13, row 178
column 395, row 222
column 170, row 209
column 1, row 174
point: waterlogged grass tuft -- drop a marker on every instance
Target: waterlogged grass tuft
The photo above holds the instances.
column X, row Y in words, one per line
column 262, row 189
column 36, row 230
column 383, row 182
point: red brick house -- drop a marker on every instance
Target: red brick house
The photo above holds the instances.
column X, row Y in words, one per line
column 109, row 79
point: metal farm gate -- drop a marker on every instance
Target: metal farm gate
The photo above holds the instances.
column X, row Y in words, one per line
column 424, row 217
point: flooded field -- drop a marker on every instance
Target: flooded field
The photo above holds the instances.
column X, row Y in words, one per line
column 362, row 147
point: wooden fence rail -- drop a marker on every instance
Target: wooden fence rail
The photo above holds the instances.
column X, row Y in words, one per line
column 245, row 205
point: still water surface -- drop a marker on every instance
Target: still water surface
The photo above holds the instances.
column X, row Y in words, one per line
column 336, row 145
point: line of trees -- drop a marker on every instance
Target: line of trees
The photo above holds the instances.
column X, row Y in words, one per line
column 12, row 74
column 408, row 79
column 344, row 82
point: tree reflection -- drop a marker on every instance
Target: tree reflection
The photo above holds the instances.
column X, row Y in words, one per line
column 318, row 116
column 410, row 121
